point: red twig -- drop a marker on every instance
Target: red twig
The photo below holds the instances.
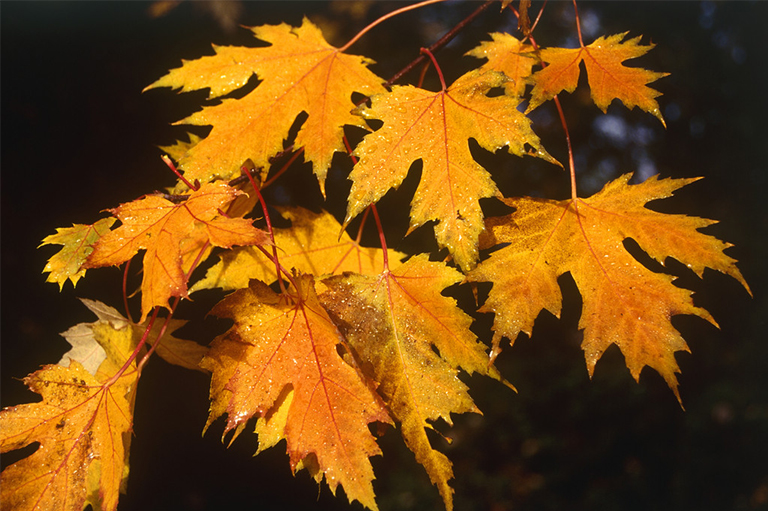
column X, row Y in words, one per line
column 437, row 67
column 386, row 17
column 171, row 166
column 125, row 291
column 441, row 42
column 269, row 227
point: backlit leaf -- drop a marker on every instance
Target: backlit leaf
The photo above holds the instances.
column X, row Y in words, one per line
column 435, row 127
column 393, row 321
column 172, row 235
column 78, row 243
column 311, row 245
column 609, row 79
column 624, row 302
column 280, row 343
column 83, row 426
column 300, row 72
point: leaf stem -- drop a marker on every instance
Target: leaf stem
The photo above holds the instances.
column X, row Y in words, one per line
column 571, row 165
column 578, row 23
column 362, row 224
column 437, row 67
column 136, row 350
column 284, row 168
column 372, row 207
column 171, row 166
column 383, row 240
column 125, row 291
column 386, row 17
column 269, row 227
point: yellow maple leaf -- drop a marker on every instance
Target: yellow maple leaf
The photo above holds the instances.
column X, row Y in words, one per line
column 624, row 302
column 311, row 245
column 172, row 235
column 435, row 127
column 608, row 78
column 280, row 343
column 83, row 425
column 300, row 72
column 508, row 55
column 392, row 321
column 78, row 242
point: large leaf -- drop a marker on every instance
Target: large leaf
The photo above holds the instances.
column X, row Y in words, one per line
column 83, row 425
column 435, row 127
column 300, row 72
column 283, row 343
column 395, row 321
column 624, row 302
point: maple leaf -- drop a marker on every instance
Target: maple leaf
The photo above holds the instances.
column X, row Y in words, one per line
column 508, row 55
column 172, row 234
column 608, row 78
column 280, row 343
column 78, row 243
column 392, row 321
column 434, row 127
column 177, row 151
column 624, row 303
column 311, row 245
column 300, row 72
column 83, row 426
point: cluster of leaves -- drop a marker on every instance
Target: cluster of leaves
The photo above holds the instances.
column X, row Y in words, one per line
column 329, row 336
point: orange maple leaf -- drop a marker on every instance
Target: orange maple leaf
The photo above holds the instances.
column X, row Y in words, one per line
column 172, row 234
column 83, row 425
column 311, row 245
column 281, row 343
column 608, row 78
column 510, row 56
column 78, row 242
column 392, row 321
column 624, row 303
column 300, row 72
column 434, row 127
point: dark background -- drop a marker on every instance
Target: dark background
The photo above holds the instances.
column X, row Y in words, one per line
column 78, row 136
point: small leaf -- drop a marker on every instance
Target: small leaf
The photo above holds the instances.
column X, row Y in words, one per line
column 608, row 78
column 78, row 243
column 507, row 55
